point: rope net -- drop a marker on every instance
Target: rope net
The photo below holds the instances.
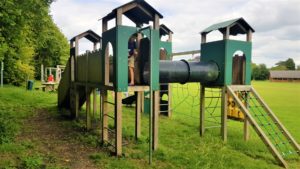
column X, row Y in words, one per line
column 186, row 103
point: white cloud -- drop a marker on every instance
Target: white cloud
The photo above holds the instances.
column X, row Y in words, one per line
column 276, row 22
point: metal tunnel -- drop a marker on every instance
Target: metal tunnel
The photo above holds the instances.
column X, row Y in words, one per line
column 184, row 71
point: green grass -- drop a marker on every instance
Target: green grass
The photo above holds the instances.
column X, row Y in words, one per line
column 180, row 145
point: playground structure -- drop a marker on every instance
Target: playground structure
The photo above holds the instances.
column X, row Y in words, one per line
column 55, row 71
column 225, row 65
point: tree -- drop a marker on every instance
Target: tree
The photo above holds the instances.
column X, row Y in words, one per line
column 289, row 64
column 28, row 37
column 298, row 67
column 260, row 72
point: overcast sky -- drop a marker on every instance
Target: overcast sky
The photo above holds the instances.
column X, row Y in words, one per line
column 276, row 22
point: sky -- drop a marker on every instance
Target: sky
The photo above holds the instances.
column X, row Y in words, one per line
column 276, row 22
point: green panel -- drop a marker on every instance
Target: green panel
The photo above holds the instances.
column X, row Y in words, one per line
column 155, row 58
column 168, row 47
column 215, row 52
column 81, row 68
column 95, row 67
column 231, row 47
column 108, row 36
column 121, row 57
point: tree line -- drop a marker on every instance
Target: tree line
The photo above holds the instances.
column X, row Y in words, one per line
column 29, row 38
column 261, row 72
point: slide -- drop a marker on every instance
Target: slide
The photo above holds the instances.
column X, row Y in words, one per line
column 64, row 100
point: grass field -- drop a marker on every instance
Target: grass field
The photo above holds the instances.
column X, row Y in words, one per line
column 34, row 135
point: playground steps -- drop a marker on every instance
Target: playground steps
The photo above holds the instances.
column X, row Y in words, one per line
column 272, row 132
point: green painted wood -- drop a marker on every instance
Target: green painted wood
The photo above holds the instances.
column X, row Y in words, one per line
column 168, row 47
column 121, row 58
column 221, row 52
column 155, row 47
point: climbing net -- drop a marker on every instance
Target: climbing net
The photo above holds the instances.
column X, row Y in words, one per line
column 186, row 102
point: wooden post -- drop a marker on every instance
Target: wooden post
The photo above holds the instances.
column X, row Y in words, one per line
column 42, row 73
column 224, row 114
column 119, row 17
column 104, row 113
column 249, row 36
column 226, row 33
column 156, row 22
column 170, row 37
column 94, row 104
column 138, row 109
column 118, row 123
column 104, row 25
column 155, row 119
column 203, row 38
column 75, row 58
column 202, row 110
column 169, row 100
column 246, row 120
column 88, row 109
column 142, row 101
column 76, row 102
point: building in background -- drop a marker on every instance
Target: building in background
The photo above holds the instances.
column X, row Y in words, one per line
column 285, row 76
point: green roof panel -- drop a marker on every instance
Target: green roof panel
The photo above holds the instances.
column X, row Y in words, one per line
column 237, row 26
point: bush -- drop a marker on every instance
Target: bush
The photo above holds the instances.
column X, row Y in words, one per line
column 8, row 128
column 32, row 162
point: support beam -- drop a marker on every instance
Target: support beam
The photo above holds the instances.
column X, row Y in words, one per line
column 170, row 39
column 104, row 118
column 156, row 22
column 226, row 33
column 203, row 38
column 94, row 104
column 202, row 110
column 119, row 16
column 246, row 120
column 88, row 109
column 138, row 112
column 104, row 25
column 42, row 73
column 76, row 103
column 155, row 119
column 118, row 123
column 249, row 36
column 224, row 114
column 170, row 100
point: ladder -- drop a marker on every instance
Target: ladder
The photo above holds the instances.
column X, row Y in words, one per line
column 272, row 132
column 110, row 130
column 164, row 105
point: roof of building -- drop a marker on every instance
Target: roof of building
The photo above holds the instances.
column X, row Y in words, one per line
column 138, row 11
column 90, row 35
column 285, row 74
column 164, row 30
column 237, row 26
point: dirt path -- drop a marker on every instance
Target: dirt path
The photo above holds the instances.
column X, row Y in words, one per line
column 53, row 139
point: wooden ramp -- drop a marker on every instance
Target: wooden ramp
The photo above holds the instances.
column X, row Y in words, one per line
column 274, row 135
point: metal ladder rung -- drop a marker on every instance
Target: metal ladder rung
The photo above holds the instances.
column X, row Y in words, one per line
column 109, row 116
column 212, row 97
column 164, row 104
column 209, row 127
column 109, row 102
column 164, row 111
column 110, row 130
column 212, row 107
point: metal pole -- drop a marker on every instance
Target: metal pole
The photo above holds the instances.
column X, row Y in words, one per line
column 42, row 73
column 2, row 68
column 151, row 103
